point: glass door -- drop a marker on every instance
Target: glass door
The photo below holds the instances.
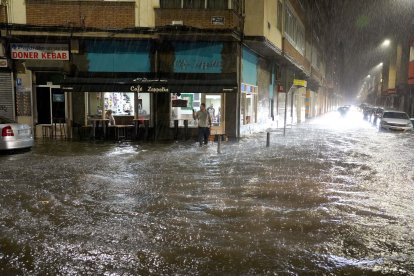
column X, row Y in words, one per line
column 215, row 107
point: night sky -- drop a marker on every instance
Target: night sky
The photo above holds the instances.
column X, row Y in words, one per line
column 362, row 25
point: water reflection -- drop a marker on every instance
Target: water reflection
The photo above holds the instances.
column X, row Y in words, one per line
column 332, row 197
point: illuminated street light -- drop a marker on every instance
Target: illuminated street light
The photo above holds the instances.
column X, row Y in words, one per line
column 386, row 43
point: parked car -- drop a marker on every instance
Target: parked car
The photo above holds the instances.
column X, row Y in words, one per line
column 395, row 120
column 14, row 135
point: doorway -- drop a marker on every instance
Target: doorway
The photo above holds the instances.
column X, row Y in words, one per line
column 215, row 107
column 50, row 103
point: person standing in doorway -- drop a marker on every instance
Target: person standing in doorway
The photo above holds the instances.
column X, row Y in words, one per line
column 204, row 124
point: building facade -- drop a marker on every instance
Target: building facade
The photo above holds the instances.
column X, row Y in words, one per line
column 389, row 84
column 157, row 60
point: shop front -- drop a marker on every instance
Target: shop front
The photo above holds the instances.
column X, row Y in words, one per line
column 39, row 101
column 154, row 84
column 159, row 103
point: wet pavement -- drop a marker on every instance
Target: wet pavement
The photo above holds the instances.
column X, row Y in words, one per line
column 335, row 196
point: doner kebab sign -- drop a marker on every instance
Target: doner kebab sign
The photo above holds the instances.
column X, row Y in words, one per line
column 39, row 51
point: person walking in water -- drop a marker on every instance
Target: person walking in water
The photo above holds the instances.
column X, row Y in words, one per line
column 204, row 124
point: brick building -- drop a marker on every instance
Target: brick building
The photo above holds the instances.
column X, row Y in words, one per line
column 73, row 60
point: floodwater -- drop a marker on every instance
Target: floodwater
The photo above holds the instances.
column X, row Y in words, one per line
column 335, row 196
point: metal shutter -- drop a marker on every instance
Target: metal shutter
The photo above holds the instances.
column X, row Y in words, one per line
column 6, row 96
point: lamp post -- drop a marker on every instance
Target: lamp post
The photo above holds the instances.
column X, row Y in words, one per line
column 373, row 84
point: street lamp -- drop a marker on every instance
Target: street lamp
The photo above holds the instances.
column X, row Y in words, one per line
column 386, row 43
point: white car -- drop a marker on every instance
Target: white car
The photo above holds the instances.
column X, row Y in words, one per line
column 395, row 120
column 14, row 135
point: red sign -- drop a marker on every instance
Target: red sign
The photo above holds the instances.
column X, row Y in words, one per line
column 39, row 51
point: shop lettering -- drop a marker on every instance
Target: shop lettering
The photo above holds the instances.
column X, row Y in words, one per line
column 54, row 56
column 25, row 55
column 206, row 65
column 136, row 88
column 40, row 55
column 139, row 88
column 183, row 64
column 158, row 90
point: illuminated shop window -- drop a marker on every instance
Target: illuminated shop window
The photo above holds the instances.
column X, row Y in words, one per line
column 119, row 103
column 142, row 105
column 182, row 105
column 248, row 104
column 95, row 104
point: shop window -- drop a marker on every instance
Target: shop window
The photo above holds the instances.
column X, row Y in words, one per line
column 142, row 105
column 248, row 104
column 119, row 103
column 182, row 105
column 125, row 106
column 95, row 105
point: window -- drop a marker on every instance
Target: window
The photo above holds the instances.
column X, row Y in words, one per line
column 279, row 15
column 170, row 4
column 294, row 30
column 194, row 4
column 248, row 104
column 217, row 4
column 119, row 103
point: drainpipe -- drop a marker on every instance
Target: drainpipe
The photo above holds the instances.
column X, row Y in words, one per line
column 239, row 79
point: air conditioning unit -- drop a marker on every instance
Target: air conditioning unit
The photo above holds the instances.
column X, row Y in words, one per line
column 177, row 23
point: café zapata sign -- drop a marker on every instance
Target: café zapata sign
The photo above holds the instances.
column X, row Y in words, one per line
column 39, row 51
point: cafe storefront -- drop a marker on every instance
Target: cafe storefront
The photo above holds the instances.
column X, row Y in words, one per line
column 148, row 101
column 120, row 76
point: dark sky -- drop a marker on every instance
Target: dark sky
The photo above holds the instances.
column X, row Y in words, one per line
column 362, row 25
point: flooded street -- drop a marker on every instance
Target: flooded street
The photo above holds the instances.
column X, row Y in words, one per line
column 334, row 196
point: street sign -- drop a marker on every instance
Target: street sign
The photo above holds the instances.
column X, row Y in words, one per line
column 302, row 83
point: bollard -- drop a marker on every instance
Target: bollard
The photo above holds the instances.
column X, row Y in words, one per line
column 176, row 130
column 146, row 127
column 268, row 140
column 218, row 143
column 185, row 129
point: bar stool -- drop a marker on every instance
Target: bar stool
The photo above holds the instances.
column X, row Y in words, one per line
column 47, row 131
column 59, row 123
